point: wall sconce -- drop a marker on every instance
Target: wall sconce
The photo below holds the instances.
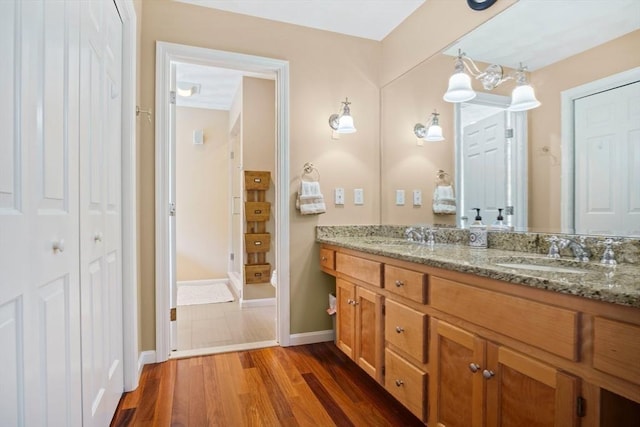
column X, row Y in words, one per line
column 522, row 98
column 431, row 131
column 342, row 122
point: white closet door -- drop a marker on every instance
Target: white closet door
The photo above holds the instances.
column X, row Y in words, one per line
column 607, row 153
column 100, row 210
column 485, row 179
column 39, row 274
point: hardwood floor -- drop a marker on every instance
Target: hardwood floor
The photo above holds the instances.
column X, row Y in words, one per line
column 311, row 385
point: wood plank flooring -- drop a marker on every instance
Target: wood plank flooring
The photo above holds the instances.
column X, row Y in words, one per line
column 310, row 385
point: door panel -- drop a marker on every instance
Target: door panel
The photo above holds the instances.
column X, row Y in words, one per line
column 345, row 312
column 11, row 356
column 607, row 137
column 369, row 332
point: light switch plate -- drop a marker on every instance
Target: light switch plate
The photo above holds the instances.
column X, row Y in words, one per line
column 358, row 196
column 399, row 197
column 339, row 196
column 417, row 198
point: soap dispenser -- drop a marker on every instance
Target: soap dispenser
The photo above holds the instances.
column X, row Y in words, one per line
column 478, row 232
column 499, row 224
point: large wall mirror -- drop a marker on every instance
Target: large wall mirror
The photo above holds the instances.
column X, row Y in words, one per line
column 557, row 167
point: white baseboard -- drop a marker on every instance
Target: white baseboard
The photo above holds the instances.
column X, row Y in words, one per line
column 262, row 302
column 312, row 337
column 146, row 358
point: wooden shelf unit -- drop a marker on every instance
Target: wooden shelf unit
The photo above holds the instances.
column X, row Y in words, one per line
column 257, row 241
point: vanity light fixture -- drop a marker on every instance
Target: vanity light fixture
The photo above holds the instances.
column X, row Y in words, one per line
column 432, row 131
column 342, row 122
column 522, row 98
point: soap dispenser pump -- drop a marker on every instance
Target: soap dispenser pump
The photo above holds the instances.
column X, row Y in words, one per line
column 499, row 224
column 478, row 232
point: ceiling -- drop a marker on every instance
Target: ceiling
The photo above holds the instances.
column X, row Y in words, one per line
column 534, row 32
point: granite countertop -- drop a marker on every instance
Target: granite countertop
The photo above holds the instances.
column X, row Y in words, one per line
column 619, row 284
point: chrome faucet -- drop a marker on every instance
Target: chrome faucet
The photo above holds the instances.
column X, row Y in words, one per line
column 420, row 235
column 608, row 257
column 580, row 251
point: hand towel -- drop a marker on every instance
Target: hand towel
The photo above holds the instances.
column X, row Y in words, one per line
column 310, row 200
column 444, row 200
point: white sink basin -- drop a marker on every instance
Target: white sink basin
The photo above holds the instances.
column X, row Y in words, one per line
column 537, row 267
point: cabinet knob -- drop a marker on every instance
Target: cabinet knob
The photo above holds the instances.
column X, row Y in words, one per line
column 97, row 237
column 399, row 283
column 488, row 374
column 474, row 367
column 58, row 246
column 350, row 301
column 399, row 329
column 399, row 383
column 324, row 258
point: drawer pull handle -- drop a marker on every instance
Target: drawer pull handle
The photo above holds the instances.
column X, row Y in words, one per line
column 257, row 274
column 257, row 179
column 399, row 329
column 474, row 367
column 257, row 211
column 399, row 383
column 399, row 283
column 257, row 243
column 488, row 374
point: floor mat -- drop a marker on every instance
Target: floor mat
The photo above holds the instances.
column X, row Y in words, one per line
column 204, row 294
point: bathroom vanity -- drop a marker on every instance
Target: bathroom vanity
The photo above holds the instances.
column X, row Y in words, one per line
column 490, row 337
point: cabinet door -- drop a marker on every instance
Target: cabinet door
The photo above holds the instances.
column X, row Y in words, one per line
column 345, row 312
column 524, row 392
column 456, row 383
column 369, row 332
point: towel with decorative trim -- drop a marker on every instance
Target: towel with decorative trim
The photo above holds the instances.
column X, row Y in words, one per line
column 444, row 200
column 310, row 200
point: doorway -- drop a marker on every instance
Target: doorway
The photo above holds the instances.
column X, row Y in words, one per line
column 167, row 269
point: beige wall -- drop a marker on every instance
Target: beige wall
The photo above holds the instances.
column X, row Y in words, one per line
column 432, row 27
column 202, row 194
column 258, row 153
column 544, row 122
column 324, row 68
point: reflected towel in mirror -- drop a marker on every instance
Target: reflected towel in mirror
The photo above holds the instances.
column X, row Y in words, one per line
column 444, row 200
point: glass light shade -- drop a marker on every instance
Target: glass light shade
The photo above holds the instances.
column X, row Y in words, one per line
column 345, row 125
column 434, row 133
column 459, row 88
column 523, row 98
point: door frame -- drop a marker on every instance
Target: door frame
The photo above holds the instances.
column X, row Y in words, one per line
column 130, row 357
column 567, row 145
column 165, row 54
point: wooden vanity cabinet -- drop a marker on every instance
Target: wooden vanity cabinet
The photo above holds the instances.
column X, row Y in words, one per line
column 359, row 326
column 461, row 350
column 475, row 382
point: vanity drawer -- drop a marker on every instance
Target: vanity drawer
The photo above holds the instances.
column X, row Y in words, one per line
column 406, row 383
column 360, row 268
column 550, row 328
column 407, row 283
column 328, row 258
column 616, row 348
column 406, row 329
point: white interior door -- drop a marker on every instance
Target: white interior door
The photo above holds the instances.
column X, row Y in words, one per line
column 100, row 210
column 485, row 179
column 607, row 153
column 39, row 274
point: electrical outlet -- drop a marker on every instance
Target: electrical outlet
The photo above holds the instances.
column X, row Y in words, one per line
column 417, row 198
column 339, row 196
column 399, row 197
column 358, row 196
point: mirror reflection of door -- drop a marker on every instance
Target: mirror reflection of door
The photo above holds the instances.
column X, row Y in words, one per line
column 491, row 168
column 607, row 156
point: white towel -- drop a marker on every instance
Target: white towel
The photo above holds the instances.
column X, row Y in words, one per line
column 444, row 200
column 310, row 200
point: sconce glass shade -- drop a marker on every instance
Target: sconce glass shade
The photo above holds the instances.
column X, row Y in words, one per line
column 434, row 133
column 523, row 98
column 345, row 125
column 459, row 88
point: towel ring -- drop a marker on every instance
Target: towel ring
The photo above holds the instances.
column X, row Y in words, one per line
column 442, row 178
column 308, row 170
